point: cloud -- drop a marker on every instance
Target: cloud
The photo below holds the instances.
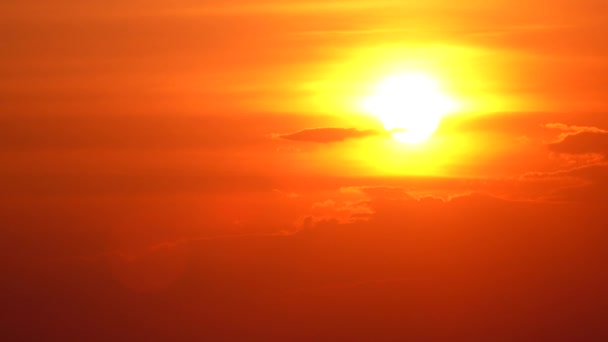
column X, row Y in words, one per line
column 426, row 262
column 587, row 171
column 574, row 129
column 588, row 184
column 327, row 134
column 582, row 142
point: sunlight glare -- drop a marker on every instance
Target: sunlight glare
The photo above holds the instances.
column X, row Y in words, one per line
column 410, row 106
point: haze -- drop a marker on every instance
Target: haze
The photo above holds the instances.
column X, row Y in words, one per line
column 207, row 170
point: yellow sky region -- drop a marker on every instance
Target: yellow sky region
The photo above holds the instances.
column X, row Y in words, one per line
column 441, row 155
column 464, row 76
column 463, row 72
column 390, row 157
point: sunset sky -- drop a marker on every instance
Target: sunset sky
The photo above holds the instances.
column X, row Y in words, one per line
column 304, row 171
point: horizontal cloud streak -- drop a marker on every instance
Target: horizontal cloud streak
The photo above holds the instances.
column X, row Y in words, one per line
column 328, row 134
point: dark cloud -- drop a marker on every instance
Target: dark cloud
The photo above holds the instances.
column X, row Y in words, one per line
column 579, row 139
column 582, row 142
column 328, row 134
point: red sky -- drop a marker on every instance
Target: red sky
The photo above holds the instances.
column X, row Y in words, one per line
column 205, row 170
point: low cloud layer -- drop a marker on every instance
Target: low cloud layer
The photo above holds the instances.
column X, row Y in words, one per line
column 475, row 266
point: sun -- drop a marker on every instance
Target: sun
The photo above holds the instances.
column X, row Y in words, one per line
column 410, row 106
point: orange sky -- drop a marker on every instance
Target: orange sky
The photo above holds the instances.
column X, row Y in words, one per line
column 213, row 161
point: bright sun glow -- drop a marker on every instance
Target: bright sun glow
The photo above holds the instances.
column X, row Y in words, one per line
column 410, row 106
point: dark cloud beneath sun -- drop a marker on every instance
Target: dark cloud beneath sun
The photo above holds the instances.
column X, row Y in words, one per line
column 328, row 134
